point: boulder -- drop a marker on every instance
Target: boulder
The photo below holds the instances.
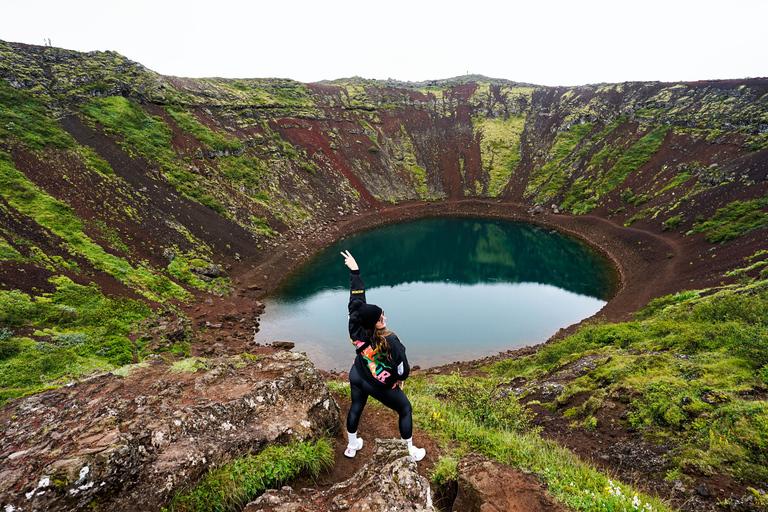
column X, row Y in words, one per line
column 211, row 270
column 486, row 485
column 389, row 481
column 121, row 443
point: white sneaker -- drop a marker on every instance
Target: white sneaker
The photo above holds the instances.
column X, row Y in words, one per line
column 352, row 450
column 417, row 453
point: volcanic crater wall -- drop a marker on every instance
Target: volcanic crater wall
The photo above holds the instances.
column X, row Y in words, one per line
column 152, row 165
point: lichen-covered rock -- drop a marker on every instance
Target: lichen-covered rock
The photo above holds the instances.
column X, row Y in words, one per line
column 129, row 442
column 388, row 482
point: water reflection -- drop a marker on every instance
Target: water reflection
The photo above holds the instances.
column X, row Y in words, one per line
column 452, row 288
column 459, row 251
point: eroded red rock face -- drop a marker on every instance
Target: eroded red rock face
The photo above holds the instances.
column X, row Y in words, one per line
column 487, row 485
column 128, row 443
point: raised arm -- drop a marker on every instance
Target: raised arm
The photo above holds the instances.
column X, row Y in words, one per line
column 356, row 286
column 357, row 333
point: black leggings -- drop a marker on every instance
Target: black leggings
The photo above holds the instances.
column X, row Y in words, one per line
column 393, row 398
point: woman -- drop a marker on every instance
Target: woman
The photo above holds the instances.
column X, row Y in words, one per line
column 380, row 365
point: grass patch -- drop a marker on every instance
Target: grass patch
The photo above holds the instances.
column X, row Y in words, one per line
column 635, row 157
column 80, row 330
column 243, row 171
column 673, row 223
column 339, row 388
column 182, row 268
column 733, row 220
column 549, row 179
column 151, row 138
column 569, row 479
column 214, row 140
column 409, row 164
column 8, row 252
column 59, row 219
column 445, row 470
column 232, row 486
column 688, row 363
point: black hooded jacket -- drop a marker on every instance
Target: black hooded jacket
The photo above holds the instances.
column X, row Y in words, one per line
column 376, row 368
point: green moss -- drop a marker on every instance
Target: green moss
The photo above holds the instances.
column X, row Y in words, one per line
column 369, row 131
column 8, row 252
column 499, row 149
column 213, row 139
column 86, row 331
column 637, row 156
column 686, row 360
column 245, row 172
column 672, row 223
column 59, row 219
column 409, row 164
column 234, row 484
column 190, row 364
column 261, row 227
column 23, row 118
column 733, row 220
column 262, row 92
column 546, row 181
column 570, row 480
column 181, row 269
column 150, row 136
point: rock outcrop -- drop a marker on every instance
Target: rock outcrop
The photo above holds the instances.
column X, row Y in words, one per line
column 130, row 442
column 486, row 485
column 389, row 481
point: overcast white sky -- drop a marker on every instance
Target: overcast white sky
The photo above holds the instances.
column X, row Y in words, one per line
column 546, row 42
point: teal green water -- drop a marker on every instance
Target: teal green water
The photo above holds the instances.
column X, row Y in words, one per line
column 452, row 289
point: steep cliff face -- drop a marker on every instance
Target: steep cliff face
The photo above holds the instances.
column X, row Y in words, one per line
column 156, row 188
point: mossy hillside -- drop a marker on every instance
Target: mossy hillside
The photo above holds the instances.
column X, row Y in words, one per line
column 50, row 143
column 406, row 161
column 608, row 169
column 23, row 118
column 499, row 149
column 59, row 219
column 688, row 365
column 216, row 140
column 77, row 331
column 151, row 137
column 547, row 179
column 714, row 106
column 733, row 220
column 247, row 102
column 481, row 415
column 39, row 70
column 7, row 251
